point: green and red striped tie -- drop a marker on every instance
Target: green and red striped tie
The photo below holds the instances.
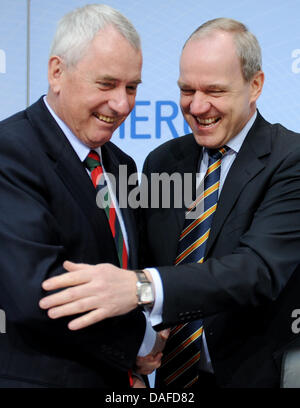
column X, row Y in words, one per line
column 93, row 163
column 181, row 357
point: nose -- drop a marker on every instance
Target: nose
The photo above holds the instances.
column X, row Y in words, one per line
column 120, row 102
column 199, row 104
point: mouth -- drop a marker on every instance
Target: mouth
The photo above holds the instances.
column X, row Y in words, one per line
column 208, row 122
column 103, row 118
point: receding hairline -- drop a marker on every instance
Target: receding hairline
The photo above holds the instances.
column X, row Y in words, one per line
column 199, row 36
column 246, row 44
column 218, row 24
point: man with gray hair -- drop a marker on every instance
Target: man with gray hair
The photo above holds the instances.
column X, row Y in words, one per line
column 55, row 157
column 227, row 280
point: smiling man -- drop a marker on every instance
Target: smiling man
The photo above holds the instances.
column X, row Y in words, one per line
column 94, row 99
column 228, row 278
column 216, row 99
column 52, row 157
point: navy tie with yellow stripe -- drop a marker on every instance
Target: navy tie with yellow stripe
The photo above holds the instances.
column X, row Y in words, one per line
column 182, row 353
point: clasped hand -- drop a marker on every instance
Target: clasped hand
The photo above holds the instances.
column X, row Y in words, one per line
column 98, row 292
column 146, row 365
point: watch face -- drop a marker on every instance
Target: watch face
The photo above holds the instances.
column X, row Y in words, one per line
column 146, row 293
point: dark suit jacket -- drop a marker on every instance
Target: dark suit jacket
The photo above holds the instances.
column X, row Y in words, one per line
column 249, row 284
column 48, row 214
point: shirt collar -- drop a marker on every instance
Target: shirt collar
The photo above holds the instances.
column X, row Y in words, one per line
column 236, row 142
column 80, row 148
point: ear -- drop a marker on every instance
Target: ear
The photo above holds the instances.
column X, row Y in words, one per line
column 55, row 72
column 256, row 85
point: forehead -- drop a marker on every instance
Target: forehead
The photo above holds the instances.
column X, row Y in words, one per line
column 211, row 56
column 112, row 54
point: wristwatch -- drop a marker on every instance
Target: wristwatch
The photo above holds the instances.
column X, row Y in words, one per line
column 144, row 290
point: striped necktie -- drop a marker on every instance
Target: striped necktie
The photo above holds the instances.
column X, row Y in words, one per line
column 93, row 163
column 182, row 353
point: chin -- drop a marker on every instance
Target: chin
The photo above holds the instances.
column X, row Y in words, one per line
column 102, row 139
column 205, row 142
column 210, row 141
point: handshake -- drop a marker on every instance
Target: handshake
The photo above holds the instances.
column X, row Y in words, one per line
column 99, row 291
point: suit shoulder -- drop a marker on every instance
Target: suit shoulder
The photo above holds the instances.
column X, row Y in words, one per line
column 18, row 139
column 15, row 128
column 266, row 138
column 283, row 133
column 284, row 141
column 12, row 121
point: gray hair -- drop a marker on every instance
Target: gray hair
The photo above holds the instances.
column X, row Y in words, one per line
column 247, row 46
column 77, row 29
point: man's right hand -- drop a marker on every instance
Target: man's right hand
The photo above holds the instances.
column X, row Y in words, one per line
column 146, row 365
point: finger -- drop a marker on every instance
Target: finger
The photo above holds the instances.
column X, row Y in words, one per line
column 137, row 383
column 65, row 296
column 72, row 266
column 147, row 369
column 56, row 299
column 88, row 319
column 164, row 334
column 146, row 365
column 144, row 360
column 157, row 358
column 65, row 280
column 72, row 308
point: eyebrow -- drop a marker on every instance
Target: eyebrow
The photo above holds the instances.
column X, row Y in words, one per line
column 182, row 84
column 216, row 86
column 209, row 87
column 112, row 79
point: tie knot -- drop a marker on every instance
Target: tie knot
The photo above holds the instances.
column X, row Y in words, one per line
column 217, row 154
column 93, row 160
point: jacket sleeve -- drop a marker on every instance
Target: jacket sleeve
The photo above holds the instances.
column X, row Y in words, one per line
column 32, row 250
column 256, row 270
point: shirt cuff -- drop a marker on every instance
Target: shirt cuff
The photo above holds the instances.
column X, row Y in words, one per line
column 155, row 316
column 149, row 338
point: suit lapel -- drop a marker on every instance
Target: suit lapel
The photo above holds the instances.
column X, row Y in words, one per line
column 75, row 177
column 246, row 166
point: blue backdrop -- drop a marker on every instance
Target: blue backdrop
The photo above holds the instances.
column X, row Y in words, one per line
column 27, row 28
